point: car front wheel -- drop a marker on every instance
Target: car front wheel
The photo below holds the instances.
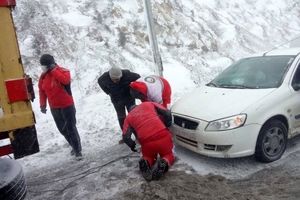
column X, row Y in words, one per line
column 271, row 142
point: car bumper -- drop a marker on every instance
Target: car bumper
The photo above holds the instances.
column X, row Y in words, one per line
column 223, row 144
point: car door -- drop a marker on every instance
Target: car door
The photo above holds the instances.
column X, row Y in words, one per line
column 295, row 102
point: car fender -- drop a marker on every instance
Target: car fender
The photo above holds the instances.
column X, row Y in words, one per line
column 273, row 105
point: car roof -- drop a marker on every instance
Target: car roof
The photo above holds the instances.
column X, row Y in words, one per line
column 277, row 52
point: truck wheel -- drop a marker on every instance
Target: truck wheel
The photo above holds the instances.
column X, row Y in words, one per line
column 271, row 142
column 12, row 180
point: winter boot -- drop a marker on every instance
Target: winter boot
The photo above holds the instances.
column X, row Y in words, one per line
column 145, row 169
column 78, row 156
column 72, row 152
column 160, row 168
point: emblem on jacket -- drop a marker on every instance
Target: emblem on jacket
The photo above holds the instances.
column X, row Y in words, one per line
column 149, row 79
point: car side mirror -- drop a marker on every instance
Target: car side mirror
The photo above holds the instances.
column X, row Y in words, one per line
column 296, row 86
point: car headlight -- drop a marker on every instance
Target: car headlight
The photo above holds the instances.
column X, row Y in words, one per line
column 227, row 123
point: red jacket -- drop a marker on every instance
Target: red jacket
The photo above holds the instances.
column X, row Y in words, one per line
column 52, row 87
column 146, row 122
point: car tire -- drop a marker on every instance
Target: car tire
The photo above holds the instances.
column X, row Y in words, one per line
column 12, row 180
column 271, row 142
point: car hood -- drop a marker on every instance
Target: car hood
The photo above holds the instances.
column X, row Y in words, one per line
column 211, row 103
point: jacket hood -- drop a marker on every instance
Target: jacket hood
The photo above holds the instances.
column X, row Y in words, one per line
column 139, row 86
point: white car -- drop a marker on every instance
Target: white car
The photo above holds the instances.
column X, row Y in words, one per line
column 252, row 107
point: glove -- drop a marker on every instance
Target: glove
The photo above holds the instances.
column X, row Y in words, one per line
column 43, row 109
column 133, row 149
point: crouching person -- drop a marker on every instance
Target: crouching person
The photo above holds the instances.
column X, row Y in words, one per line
column 148, row 122
column 152, row 88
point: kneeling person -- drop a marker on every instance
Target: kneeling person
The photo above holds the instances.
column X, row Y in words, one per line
column 148, row 122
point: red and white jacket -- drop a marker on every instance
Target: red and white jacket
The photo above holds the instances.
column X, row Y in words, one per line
column 154, row 88
column 52, row 87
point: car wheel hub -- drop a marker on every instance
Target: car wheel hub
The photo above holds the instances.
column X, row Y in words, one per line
column 273, row 142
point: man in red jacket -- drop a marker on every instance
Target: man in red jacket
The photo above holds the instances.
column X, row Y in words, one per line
column 148, row 122
column 54, row 85
column 152, row 88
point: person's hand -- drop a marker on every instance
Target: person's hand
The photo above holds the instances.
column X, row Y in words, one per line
column 43, row 109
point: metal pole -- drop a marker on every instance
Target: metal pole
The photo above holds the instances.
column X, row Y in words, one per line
column 152, row 37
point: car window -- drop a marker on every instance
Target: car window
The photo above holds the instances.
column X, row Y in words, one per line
column 296, row 79
column 256, row 72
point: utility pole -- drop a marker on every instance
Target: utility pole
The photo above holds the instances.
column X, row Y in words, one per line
column 152, row 37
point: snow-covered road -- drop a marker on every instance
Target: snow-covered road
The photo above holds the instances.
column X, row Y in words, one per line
column 113, row 174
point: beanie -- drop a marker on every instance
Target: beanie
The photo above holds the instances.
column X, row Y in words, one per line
column 115, row 73
column 139, row 86
column 47, row 60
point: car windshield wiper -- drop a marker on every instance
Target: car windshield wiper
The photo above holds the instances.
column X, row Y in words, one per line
column 237, row 86
column 212, row 84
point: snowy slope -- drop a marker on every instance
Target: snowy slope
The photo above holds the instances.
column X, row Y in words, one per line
column 197, row 39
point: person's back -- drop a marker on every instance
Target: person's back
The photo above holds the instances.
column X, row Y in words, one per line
column 152, row 88
column 146, row 122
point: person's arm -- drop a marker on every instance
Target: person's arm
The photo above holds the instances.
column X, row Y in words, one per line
column 42, row 94
column 166, row 94
column 102, row 83
column 61, row 74
column 133, row 76
column 127, row 132
column 165, row 114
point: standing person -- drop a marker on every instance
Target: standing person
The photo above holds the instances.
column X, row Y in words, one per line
column 115, row 83
column 148, row 122
column 55, row 85
column 152, row 88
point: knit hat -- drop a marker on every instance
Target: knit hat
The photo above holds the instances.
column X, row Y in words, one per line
column 115, row 73
column 139, row 86
column 47, row 60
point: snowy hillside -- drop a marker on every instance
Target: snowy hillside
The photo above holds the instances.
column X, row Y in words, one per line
column 197, row 39
column 87, row 35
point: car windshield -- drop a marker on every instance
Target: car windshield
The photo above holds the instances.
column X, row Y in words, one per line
column 253, row 73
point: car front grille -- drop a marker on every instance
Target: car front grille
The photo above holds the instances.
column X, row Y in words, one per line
column 185, row 123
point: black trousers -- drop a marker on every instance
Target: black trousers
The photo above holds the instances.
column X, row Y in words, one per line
column 120, row 109
column 65, row 121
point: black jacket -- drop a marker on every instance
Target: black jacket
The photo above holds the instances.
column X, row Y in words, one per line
column 118, row 91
